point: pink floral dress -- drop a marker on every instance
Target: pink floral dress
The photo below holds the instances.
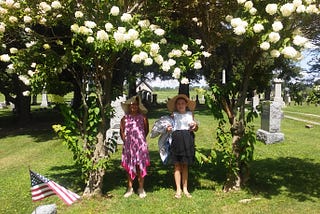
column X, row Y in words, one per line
column 135, row 149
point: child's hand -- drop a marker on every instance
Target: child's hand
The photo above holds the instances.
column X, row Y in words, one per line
column 193, row 126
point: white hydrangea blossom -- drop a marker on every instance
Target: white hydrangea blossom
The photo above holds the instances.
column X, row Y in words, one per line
column 154, row 47
column 4, row 58
column 85, row 30
column 301, row 9
column 165, row 66
column 136, row 58
column 299, row 40
column 46, row 46
column 13, row 50
column 90, row 39
column 126, row 17
column 158, row 59
column 229, row 18
column 265, row 46
column 184, row 47
column 137, row 43
column 56, row 5
column 206, row 54
column 197, row 65
column 257, row 28
column 90, row 24
column 27, row 19
column 277, row 26
column 239, row 30
column 148, row 61
column 297, row 3
column 289, row 52
column 253, row 11
column 241, row 1
column 176, row 73
column 75, row 28
column 184, row 80
column 143, row 55
column 248, row 5
column 13, row 19
column 144, row 23
column 133, row 34
column 188, row 53
column 24, row 79
column 78, row 14
column 275, row 53
column 119, row 37
column 45, row 7
column 102, row 35
column 108, row 26
column 159, row 32
column 26, row 93
column 2, row 27
column 198, row 41
column 172, row 62
column 271, row 9
column 287, row 9
column 31, row 73
column 114, row 11
column 274, row 37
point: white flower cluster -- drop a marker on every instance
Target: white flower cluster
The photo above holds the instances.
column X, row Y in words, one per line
column 273, row 36
column 121, row 30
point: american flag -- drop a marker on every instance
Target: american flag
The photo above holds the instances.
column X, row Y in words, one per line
column 42, row 187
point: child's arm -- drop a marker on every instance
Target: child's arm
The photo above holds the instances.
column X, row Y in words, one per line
column 146, row 125
column 193, row 125
column 122, row 129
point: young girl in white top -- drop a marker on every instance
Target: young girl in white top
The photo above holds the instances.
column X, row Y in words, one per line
column 182, row 149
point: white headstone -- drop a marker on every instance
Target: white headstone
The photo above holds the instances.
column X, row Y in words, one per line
column 114, row 130
column 44, row 100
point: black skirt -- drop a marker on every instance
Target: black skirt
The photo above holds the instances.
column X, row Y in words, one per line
column 182, row 149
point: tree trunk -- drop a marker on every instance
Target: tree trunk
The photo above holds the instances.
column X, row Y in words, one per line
column 95, row 180
column 22, row 108
column 184, row 89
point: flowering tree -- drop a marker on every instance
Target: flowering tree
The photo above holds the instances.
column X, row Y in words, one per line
column 264, row 35
column 87, row 39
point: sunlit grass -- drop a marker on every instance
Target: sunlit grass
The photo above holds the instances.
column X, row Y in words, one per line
column 284, row 176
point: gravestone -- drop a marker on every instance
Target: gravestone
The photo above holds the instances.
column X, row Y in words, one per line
column 255, row 101
column 114, row 130
column 277, row 91
column 44, row 99
column 46, row 209
column 271, row 116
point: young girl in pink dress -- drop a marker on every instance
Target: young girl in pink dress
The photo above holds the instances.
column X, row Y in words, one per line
column 134, row 128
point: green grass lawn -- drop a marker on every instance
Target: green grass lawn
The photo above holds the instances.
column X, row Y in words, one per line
column 284, row 176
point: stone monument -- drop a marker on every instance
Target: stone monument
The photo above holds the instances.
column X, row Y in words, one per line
column 44, row 98
column 114, row 130
column 271, row 117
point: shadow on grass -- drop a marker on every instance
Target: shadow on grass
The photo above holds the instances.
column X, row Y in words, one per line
column 297, row 178
column 39, row 127
column 160, row 176
column 68, row 176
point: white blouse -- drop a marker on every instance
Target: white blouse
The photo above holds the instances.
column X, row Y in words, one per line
column 182, row 121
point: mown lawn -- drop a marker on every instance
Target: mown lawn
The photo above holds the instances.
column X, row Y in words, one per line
column 284, row 176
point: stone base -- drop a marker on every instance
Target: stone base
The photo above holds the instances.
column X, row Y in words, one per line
column 268, row 137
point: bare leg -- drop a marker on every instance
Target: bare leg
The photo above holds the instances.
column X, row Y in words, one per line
column 140, row 179
column 130, row 189
column 185, row 172
column 130, row 182
column 177, row 178
column 141, row 191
